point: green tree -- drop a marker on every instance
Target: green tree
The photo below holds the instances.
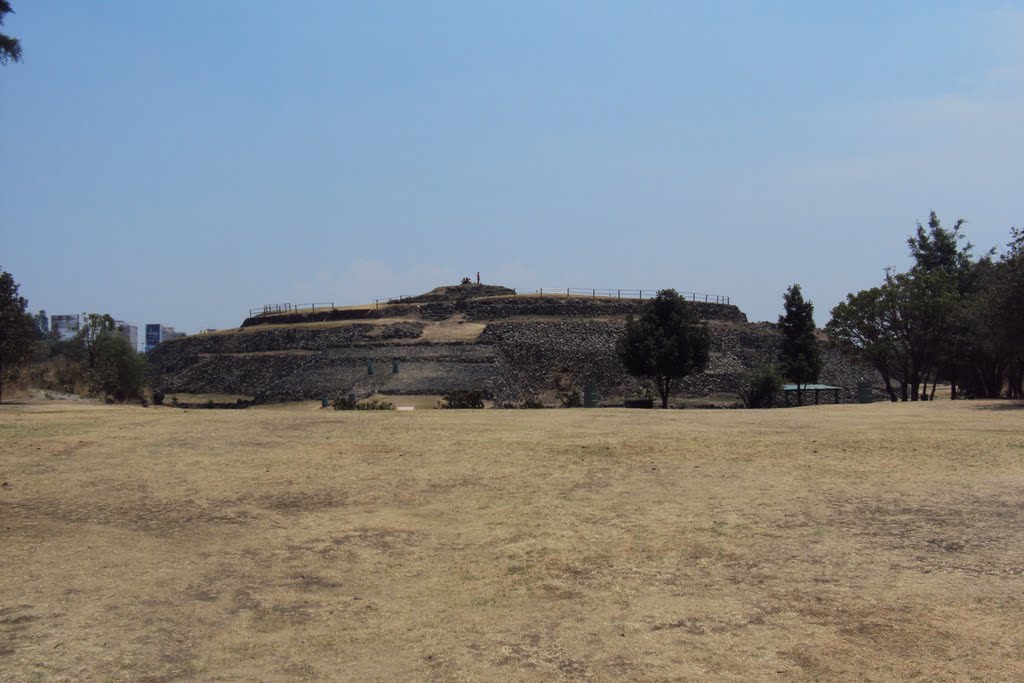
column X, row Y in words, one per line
column 118, row 372
column 95, row 325
column 948, row 275
column 17, row 331
column 938, row 248
column 1013, row 310
column 950, row 317
column 667, row 342
column 10, row 48
column 996, row 311
column 860, row 328
column 41, row 321
column 799, row 354
column 920, row 306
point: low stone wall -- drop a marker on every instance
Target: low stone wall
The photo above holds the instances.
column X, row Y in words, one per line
column 581, row 307
column 280, row 338
column 297, row 317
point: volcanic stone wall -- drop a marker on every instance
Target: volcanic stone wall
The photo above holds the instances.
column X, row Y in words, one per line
column 579, row 307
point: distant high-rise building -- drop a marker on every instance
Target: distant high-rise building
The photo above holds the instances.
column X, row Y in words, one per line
column 129, row 332
column 65, row 326
column 156, row 333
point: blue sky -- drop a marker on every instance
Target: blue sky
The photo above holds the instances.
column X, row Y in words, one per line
column 179, row 162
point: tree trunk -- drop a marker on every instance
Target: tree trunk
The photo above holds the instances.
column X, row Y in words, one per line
column 1, row 381
column 890, row 390
column 664, row 389
column 1016, row 383
column 903, row 392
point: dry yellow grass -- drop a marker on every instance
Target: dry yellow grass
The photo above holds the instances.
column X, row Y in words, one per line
column 855, row 542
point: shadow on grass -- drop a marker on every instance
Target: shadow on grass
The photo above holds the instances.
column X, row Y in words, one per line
column 1002, row 405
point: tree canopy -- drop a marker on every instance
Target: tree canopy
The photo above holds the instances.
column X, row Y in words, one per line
column 952, row 317
column 667, row 342
column 17, row 329
column 799, row 354
column 10, row 48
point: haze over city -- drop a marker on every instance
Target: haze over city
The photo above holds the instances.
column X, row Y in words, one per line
column 182, row 162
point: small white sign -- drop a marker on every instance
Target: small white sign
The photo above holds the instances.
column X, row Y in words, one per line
column 406, row 408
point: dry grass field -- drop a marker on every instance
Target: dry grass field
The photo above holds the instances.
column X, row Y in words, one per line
column 836, row 543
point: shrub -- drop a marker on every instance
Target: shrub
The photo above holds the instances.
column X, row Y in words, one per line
column 119, row 372
column 375, row 404
column 532, row 403
column 464, row 398
column 344, row 403
column 571, row 399
column 760, row 388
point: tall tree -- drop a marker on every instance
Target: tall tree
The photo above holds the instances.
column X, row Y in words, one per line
column 667, row 342
column 919, row 307
column 860, row 328
column 948, row 275
column 951, row 317
column 799, row 354
column 10, row 48
column 1007, row 306
column 17, row 331
column 94, row 325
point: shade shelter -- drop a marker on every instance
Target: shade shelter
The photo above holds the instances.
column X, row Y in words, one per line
column 788, row 389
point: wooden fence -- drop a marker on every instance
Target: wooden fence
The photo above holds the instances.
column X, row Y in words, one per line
column 592, row 292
